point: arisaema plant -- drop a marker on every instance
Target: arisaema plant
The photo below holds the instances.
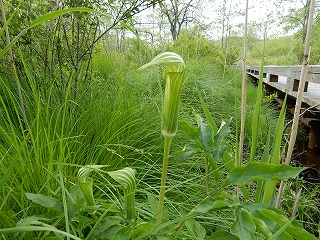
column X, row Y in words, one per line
column 174, row 76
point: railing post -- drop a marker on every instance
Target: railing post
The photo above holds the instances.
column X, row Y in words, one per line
column 274, row 78
column 296, row 85
column 314, row 136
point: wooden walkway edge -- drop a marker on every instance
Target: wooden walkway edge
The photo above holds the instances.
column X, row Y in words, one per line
column 286, row 79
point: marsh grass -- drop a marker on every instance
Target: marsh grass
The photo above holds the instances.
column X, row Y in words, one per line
column 104, row 125
column 114, row 121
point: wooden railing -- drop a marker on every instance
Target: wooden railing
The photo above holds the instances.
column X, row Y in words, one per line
column 292, row 73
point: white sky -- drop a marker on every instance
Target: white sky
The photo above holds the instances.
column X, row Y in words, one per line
column 259, row 11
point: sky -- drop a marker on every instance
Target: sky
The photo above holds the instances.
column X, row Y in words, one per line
column 259, row 11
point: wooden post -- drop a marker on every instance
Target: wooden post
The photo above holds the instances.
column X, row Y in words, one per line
column 274, row 78
column 314, row 139
column 239, row 159
column 296, row 85
column 289, row 84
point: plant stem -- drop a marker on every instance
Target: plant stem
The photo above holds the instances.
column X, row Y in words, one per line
column 167, row 144
column 244, row 88
column 295, row 205
column 207, row 176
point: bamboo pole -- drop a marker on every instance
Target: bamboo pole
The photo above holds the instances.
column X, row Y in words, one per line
column 244, row 86
column 239, row 159
column 296, row 203
column 303, row 78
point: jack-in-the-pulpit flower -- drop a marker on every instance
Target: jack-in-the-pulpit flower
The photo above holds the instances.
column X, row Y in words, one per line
column 174, row 76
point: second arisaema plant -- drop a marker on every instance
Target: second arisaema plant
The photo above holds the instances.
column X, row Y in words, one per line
column 174, row 76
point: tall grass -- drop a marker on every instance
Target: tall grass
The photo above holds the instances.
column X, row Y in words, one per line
column 114, row 121
column 103, row 125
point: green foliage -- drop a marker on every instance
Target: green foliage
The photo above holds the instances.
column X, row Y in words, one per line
column 279, row 51
column 256, row 114
column 193, row 44
column 261, row 171
column 244, row 226
column 88, row 108
column 308, row 212
column 174, row 76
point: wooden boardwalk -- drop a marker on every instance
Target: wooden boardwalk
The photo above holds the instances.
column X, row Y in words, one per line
column 286, row 79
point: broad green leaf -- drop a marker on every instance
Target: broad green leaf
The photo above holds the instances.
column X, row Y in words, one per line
column 190, row 131
column 221, row 137
column 45, row 201
column 141, row 229
column 153, row 203
column 206, row 136
column 262, row 227
column 210, row 203
column 244, row 226
column 195, row 229
column 105, row 227
column 204, row 206
column 271, row 224
column 261, row 171
column 228, row 160
column 208, row 115
column 278, row 233
column 186, row 152
column 295, row 232
column 222, row 235
column 122, row 234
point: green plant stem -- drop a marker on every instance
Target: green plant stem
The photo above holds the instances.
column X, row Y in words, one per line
column 167, row 144
column 239, row 159
column 207, row 176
